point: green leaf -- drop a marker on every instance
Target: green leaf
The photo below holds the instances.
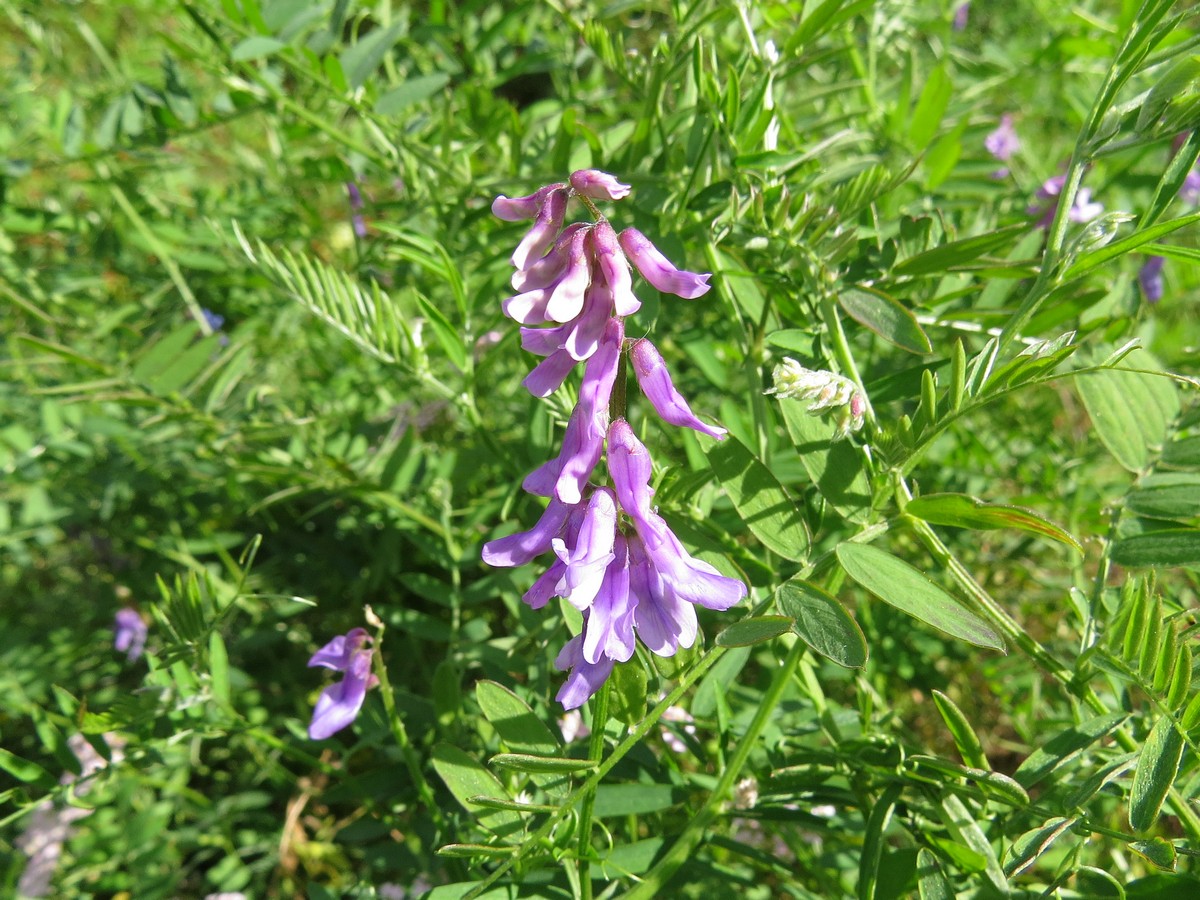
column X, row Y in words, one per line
column 448, row 336
column 754, row 631
column 1032, row 844
column 1097, row 884
column 1168, row 547
column 764, row 506
column 961, row 511
column 412, row 91
column 964, row 735
column 945, row 256
column 633, row 799
column 931, row 883
column 873, row 841
column 26, row 771
column 1166, row 496
column 992, row 784
column 1101, row 255
column 1179, row 79
column 628, row 690
column 836, row 468
column 965, row 829
column 1183, row 453
column 360, row 61
column 466, row 778
column 164, row 353
column 931, row 107
column 255, row 48
column 897, row 583
column 1160, row 852
column 1063, row 746
column 718, row 680
column 822, row 623
column 527, row 762
column 1157, row 766
column 218, row 667
column 1130, row 410
column 885, row 316
column 514, row 721
column 469, row 851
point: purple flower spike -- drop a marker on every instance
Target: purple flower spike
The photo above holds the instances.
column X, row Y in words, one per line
column 1003, row 143
column 655, row 382
column 545, row 229
column 1150, row 278
column 598, row 185
column 657, row 269
column 585, row 678
column 339, row 704
column 630, row 468
column 518, row 208
column 614, row 268
column 129, row 633
column 520, row 548
column 587, row 560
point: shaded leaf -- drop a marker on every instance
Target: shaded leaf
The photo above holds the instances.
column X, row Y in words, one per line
column 836, row 468
column 964, row 735
column 466, row 778
column 1168, row 547
column 1130, row 410
column 754, row 631
column 412, row 91
column 822, row 623
column 760, row 500
column 514, row 721
column 1157, row 766
column 1032, row 844
column 1063, row 746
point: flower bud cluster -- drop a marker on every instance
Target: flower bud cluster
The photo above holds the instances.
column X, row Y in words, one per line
column 826, row 390
column 615, row 558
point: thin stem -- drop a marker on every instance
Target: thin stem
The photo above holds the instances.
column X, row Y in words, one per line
column 595, row 753
column 651, row 884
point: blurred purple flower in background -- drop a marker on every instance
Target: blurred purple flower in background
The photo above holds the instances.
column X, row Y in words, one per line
column 962, row 13
column 1150, row 278
column 1083, row 209
column 129, row 633
column 356, row 205
column 1189, row 191
column 339, row 703
column 1003, row 143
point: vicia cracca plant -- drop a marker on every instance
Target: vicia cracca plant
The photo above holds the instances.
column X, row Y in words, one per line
column 616, row 559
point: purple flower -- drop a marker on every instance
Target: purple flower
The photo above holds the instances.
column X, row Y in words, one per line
column 1189, row 191
column 585, row 678
column 657, row 269
column 614, row 268
column 609, row 632
column 340, row 702
column 962, row 13
column 545, row 228
column 518, row 549
column 598, row 185
column 356, row 205
column 129, row 633
column 518, row 208
column 1003, row 143
column 655, row 382
column 1082, row 209
column 585, row 562
column 1150, row 278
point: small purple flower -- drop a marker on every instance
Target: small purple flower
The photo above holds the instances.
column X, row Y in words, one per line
column 962, row 13
column 614, row 268
column 1189, row 191
column 587, row 559
column 598, row 185
column 545, row 229
column 1150, row 278
column 658, row 270
column 339, row 703
column 609, row 631
column 520, row 548
column 129, row 633
column 212, row 319
column 585, row 678
column 655, row 382
column 356, row 205
column 1082, row 210
column 1003, row 143
column 517, row 208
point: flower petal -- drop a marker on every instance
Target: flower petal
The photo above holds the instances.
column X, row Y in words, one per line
column 518, row 549
column 658, row 270
column 655, row 382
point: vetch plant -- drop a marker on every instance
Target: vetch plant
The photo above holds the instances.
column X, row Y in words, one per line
column 339, row 703
column 617, row 560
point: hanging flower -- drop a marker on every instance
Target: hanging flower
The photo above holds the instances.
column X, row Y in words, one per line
column 339, row 703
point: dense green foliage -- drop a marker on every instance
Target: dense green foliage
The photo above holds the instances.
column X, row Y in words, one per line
column 966, row 664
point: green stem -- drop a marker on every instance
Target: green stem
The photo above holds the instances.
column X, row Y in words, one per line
column 595, row 753
column 652, row 883
column 841, row 351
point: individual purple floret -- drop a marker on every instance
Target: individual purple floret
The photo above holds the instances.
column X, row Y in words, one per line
column 1082, row 210
column 1189, row 191
column 356, row 205
column 1150, row 278
column 962, row 14
column 129, row 633
column 339, row 703
column 655, row 382
column 1003, row 143
column 658, row 270
column 598, row 185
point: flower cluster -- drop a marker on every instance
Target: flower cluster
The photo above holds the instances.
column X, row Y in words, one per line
column 826, row 390
column 616, row 560
column 129, row 633
column 1003, row 143
column 1083, row 209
